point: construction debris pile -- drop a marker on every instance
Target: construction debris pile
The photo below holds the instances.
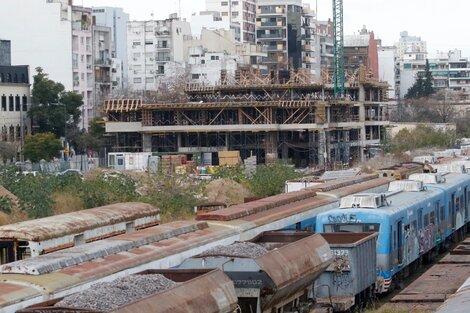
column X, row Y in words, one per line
column 106, row 297
column 238, row 249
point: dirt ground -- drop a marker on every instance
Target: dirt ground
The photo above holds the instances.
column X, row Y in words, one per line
column 226, row 191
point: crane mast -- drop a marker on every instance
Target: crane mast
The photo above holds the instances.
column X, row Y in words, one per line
column 338, row 43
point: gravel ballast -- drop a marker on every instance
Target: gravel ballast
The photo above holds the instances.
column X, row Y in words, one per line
column 238, row 249
column 111, row 295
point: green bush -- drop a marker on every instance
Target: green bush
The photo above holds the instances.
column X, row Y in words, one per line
column 270, row 179
column 421, row 137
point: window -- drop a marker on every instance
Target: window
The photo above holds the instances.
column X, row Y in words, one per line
column 195, row 76
column 25, row 103
column 420, row 218
column 82, row 40
column 161, row 69
column 426, row 220
column 234, row 3
column 234, row 14
column 214, row 57
column 82, row 76
column 431, row 218
column 224, row 13
column 136, row 55
column 149, row 80
column 17, row 103
column 351, row 228
column 137, row 80
column 224, row 3
column 148, row 42
column 4, row 103
column 11, row 102
column 136, row 43
column 442, row 213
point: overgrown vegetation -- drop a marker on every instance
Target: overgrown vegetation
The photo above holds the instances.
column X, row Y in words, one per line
column 421, row 137
column 176, row 195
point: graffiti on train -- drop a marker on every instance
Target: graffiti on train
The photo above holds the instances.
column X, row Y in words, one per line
column 342, row 280
column 426, row 238
column 343, row 218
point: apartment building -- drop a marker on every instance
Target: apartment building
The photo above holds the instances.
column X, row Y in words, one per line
column 216, row 52
column 287, row 29
column 450, row 71
column 82, row 60
column 361, row 50
column 152, row 45
column 15, row 98
column 116, row 19
column 241, row 12
column 412, row 54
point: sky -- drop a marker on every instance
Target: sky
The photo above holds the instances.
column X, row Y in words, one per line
column 443, row 24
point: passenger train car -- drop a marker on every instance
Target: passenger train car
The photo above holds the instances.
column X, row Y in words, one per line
column 412, row 218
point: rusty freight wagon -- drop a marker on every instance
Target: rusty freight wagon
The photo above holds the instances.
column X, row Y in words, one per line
column 350, row 279
column 275, row 271
column 201, row 291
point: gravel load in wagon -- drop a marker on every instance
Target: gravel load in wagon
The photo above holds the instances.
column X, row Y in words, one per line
column 237, row 249
column 106, row 297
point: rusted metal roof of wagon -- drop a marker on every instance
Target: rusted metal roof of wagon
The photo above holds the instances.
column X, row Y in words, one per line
column 76, row 222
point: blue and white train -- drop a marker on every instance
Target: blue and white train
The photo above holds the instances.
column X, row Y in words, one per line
column 412, row 218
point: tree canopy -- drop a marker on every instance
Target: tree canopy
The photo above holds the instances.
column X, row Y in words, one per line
column 41, row 146
column 423, row 86
column 52, row 108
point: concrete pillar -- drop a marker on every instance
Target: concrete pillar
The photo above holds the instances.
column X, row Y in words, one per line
column 178, row 141
column 362, row 93
column 322, row 148
column 147, row 142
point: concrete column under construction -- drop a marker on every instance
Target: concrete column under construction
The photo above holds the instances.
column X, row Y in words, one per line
column 146, row 142
column 322, row 153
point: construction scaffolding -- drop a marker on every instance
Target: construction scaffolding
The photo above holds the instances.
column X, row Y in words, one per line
column 287, row 115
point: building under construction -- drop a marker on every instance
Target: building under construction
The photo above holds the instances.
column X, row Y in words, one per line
column 286, row 116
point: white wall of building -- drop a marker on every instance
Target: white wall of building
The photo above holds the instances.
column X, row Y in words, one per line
column 387, row 63
column 209, row 20
column 40, row 36
column 12, row 121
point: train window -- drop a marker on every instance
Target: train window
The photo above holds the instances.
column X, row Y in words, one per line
column 461, row 201
column 457, row 203
column 442, row 213
column 426, row 220
column 431, row 218
column 351, row 228
column 420, row 218
column 23, row 251
column 407, row 227
column 413, row 225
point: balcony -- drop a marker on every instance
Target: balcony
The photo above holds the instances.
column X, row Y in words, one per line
column 308, row 48
column 270, row 36
column 103, row 62
column 163, row 59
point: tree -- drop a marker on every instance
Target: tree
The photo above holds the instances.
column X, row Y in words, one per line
column 428, row 89
column 422, row 87
column 41, row 146
column 7, row 151
column 52, row 108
